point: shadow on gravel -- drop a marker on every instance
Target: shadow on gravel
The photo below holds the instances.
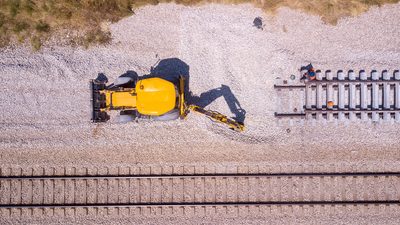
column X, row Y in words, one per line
column 101, row 77
column 224, row 91
column 170, row 69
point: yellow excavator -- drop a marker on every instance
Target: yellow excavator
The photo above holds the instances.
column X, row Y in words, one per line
column 153, row 98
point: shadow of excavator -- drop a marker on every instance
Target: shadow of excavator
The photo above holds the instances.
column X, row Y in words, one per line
column 171, row 69
column 224, row 91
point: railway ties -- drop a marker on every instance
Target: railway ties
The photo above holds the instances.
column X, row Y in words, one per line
column 203, row 192
column 348, row 95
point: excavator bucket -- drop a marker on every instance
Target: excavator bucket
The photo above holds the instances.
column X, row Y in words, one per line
column 98, row 101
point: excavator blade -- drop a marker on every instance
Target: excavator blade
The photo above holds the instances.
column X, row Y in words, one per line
column 98, row 102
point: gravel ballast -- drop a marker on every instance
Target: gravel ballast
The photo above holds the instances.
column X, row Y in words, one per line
column 45, row 97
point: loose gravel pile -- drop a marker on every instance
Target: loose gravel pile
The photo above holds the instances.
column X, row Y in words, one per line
column 45, row 97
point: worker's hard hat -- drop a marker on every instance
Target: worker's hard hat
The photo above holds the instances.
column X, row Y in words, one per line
column 330, row 104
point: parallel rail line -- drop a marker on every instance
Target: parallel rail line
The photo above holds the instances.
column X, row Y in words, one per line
column 170, row 194
column 198, row 189
column 207, row 175
column 205, row 204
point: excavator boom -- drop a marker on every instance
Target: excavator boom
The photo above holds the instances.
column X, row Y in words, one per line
column 218, row 117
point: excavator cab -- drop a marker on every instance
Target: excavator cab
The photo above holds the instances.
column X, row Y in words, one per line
column 153, row 98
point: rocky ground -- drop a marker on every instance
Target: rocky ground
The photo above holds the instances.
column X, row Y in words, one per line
column 231, row 66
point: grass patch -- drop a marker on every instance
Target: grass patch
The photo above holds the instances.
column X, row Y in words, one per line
column 329, row 10
column 36, row 20
column 20, row 26
column 42, row 27
column 36, row 43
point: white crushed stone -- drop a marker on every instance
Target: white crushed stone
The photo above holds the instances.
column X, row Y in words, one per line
column 45, row 108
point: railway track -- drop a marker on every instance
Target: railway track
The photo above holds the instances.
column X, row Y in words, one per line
column 345, row 96
column 196, row 191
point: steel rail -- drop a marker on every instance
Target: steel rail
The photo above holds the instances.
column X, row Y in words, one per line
column 278, row 86
column 217, row 175
column 336, row 81
column 334, row 84
column 170, row 204
column 290, row 115
column 351, row 110
column 335, row 111
column 380, row 81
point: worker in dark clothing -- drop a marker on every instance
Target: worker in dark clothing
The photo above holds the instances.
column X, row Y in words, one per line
column 307, row 72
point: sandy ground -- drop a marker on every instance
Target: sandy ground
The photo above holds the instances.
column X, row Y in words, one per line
column 45, row 98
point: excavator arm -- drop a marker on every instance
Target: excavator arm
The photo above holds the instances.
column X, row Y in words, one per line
column 218, row 117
